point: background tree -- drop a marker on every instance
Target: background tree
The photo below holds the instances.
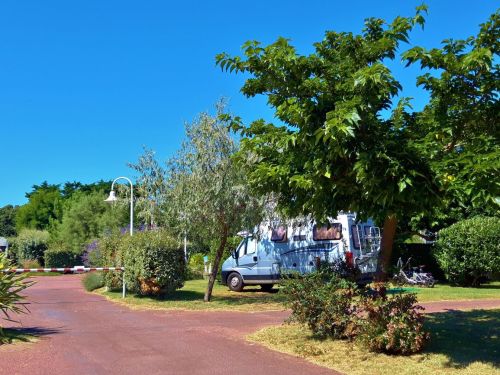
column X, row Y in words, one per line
column 86, row 216
column 43, row 208
column 150, row 188
column 207, row 189
column 8, row 220
column 344, row 144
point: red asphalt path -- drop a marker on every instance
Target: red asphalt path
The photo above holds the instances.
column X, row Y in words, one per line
column 83, row 333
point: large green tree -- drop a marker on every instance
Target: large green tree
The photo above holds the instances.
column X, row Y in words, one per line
column 343, row 143
column 207, row 191
column 459, row 130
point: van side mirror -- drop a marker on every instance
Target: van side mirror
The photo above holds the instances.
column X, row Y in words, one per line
column 234, row 254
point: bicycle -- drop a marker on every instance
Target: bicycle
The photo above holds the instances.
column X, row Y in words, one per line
column 414, row 276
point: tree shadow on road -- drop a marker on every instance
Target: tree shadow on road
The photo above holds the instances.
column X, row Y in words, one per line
column 465, row 336
column 27, row 334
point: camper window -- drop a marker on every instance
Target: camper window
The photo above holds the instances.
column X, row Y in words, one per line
column 355, row 237
column 325, row 233
column 278, row 234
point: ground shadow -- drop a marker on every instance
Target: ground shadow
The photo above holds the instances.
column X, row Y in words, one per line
column 26, row 334
column 465, row 336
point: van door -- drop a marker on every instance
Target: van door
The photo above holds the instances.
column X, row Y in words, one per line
column 247, row 258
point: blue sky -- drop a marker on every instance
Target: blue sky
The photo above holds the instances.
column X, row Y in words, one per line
column 85, row 84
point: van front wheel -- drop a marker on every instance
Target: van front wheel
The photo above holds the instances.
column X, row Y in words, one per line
column 235, row 282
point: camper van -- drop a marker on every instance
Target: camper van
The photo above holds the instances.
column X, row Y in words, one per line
column 261, row 259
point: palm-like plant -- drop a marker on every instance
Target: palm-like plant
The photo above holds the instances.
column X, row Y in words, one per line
column 11, row 285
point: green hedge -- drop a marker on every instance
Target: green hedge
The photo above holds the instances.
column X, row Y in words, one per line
column 154, row 262
column 61, row 258
column 469, row 251
column 31, row 245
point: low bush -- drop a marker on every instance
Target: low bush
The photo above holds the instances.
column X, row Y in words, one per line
column 61, row 258
column 30, row 263
column 31, row 244
column 469, row 251
column 323, row 301
column 196, row 267
column 391, row 325
column 154, row 263
column 92, row 281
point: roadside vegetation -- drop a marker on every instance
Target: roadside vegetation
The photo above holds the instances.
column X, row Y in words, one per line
column 461, row 343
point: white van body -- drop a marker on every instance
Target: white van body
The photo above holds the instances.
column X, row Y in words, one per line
column 277, row 250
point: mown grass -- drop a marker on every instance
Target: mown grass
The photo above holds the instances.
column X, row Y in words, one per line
column 190, row 297
column 443, row 292
column 461, row 343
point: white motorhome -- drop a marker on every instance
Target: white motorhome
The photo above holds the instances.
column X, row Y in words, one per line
column 261, row 260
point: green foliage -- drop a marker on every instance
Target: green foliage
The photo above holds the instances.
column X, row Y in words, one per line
column 392, row 325
column 153, row 260
column 469, row 251
column 195, row 266
column 93, row 281
column 8, row 220
column 154, row 263
column 209, row 196
column 43, row 208
column 61, row 258
column 11, row 285
column 337, row 150
column 458, row 129
column 31, row 245
column 86, row 216
column 325, row 302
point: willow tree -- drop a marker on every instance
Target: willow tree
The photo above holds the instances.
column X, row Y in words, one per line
column 206, row 190
column 341, row 143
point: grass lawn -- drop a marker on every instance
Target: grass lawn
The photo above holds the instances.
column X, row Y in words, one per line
column 190, row 297
column 443, row 292
column 461, row 343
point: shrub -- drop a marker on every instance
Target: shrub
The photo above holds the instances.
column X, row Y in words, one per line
column 469, row 251
column 196, row 267
column 31, row 244
column 391, row 325
column 11, row 285
column 61, row 258
column 323, row 301
column 92, row 281
column 29, row 263
column 111, row 250
column 154, row 263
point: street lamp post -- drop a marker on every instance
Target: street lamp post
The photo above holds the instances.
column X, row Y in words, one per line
column 112, row 198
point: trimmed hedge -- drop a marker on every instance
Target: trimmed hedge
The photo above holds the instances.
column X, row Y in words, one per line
column 469, row 251
column 154, row 263
column 61, row 258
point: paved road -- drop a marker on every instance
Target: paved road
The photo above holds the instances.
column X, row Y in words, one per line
column 82, row 333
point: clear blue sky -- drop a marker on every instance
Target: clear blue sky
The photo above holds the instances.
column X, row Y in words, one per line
column 85, row 84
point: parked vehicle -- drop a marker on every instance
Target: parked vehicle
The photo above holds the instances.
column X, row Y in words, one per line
column 408, row 275
column 262, row 259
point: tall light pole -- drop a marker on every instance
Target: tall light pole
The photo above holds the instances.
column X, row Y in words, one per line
column 112, row 198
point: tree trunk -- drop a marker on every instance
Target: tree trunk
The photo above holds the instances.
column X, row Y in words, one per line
column 215, row 268
column 384, row 261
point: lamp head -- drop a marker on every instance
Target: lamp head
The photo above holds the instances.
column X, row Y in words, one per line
column 112, row 197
